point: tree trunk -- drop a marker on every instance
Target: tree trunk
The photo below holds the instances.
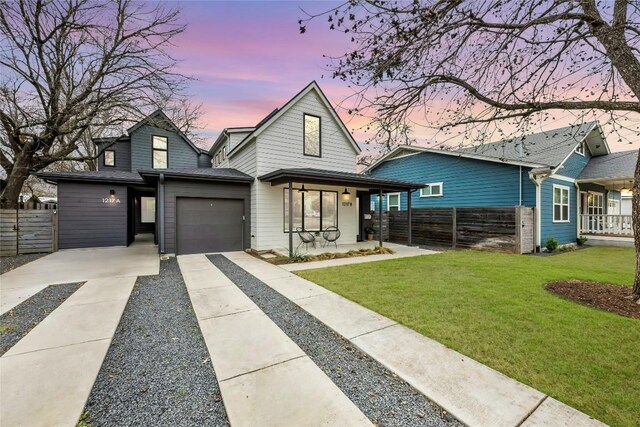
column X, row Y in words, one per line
column 18, row 175
column 635, row 219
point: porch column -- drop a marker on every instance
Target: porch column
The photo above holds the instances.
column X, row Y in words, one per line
column 290, row 219
column 380, row 216
column 409, row 217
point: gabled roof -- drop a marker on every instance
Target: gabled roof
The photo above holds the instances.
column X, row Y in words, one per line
column 549, row 148
column 620, row 165
column 153, row 119
column 278, row 112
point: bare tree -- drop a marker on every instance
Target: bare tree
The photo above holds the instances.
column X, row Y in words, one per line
column 71, row 67
column 475, row 62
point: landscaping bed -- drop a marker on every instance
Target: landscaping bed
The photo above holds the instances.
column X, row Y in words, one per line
column 20, row 320
column 495, row 309
column 613, row 298
column 157, row 370
column 381, row 395
column 8, row 263
column 280, row 260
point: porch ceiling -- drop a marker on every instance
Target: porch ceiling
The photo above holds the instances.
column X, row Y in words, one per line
column 341, row 179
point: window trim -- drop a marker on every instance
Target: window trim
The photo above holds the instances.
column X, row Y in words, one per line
column 153, row 150
column 284, row 209
column 580, row 149
column 441, row 184
column 399, row 200
column 304, row 135
column 104, row 158
column 553, row 204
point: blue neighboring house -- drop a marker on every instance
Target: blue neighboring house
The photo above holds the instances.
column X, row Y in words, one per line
column 569, row 176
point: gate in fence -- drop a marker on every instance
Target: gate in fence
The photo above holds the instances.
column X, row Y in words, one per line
column 27, row 231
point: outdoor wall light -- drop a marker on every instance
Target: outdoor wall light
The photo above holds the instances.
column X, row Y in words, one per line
column 302, row 190
column 112, row 193
column 345, row 194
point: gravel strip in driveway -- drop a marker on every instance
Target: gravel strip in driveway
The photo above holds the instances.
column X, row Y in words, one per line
column 17, row 322
column 8, row 263
column 381, row 395
column 157, row 370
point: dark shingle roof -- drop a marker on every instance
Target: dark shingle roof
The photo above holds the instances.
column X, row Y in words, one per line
column 102, row 175
column 615, row 165
column 548, row 148
column 211, row 174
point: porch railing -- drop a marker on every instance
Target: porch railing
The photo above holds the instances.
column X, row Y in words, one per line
column 613, row 225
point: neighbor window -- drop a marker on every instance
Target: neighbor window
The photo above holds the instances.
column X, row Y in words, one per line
column 148, row 209
column 431, row 190
column 109, row 158
column 313, row 210
column 580, row 148
column 393, row 202
column 224, row 153
column 560, row 203
column 312, row 135
column 160, row 152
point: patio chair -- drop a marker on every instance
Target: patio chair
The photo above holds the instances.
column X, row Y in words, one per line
column 331, row 235
column 305, row 238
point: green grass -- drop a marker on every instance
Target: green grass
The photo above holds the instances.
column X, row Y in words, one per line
column 494, row 308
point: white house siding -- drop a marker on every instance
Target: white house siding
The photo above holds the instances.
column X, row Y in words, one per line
column 245, row 161
column 235, row 139
column 270, row 234
column 280, row 146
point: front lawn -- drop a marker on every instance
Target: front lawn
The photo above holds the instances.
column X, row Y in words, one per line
column 494, row 308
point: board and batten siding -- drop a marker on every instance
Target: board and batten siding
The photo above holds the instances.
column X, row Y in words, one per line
column 85, row 220
column 564, row 232
column 466, row 182
column 182, row 188
column 123, row 156
column 180, row 153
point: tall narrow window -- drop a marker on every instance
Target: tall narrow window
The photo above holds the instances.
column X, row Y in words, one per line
column 393, row 201
column 109, row 158
column 560, row 203
column 160, row 146
column 312, row 135
column 147, row 209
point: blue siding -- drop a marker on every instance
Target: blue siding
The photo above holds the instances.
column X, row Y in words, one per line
column 181, row 154
column 574, row 164
column 466, row 182
column 565, row 232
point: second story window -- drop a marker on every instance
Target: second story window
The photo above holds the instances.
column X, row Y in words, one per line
column 160, row 158
column 109, row 158
column 312, row 135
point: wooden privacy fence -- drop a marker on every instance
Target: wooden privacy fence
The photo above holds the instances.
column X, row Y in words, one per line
column 27, row 231
column 503, row 229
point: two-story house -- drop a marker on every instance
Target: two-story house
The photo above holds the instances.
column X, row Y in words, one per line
column 568, row 175
column 255, row 188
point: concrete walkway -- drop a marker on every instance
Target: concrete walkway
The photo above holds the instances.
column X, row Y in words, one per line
column 265, row 378
column 401, row 251
column 76, row 265
column 46, row 378
column 470, row 391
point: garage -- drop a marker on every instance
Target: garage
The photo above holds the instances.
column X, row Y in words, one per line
column 209, row 225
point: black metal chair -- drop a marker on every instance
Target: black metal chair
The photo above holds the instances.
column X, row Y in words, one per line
column 331, row 235
column 305, row 238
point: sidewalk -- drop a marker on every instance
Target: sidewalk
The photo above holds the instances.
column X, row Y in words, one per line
column 470, row 391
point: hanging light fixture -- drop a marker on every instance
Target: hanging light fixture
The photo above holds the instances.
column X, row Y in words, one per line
column 302, row 190
column 625, row 188
column 345, row 194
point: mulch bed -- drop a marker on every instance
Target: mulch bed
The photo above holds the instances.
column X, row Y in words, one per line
column 613, row 298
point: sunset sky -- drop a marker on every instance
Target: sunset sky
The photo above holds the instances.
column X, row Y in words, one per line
column 248, row 58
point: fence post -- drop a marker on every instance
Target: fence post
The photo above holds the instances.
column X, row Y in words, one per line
column 454, row 227
column 518, row 248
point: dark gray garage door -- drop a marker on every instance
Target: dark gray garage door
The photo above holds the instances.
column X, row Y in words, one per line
column 208, row 225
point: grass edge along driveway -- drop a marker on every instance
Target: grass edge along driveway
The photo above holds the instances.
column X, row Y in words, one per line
column 494, row 308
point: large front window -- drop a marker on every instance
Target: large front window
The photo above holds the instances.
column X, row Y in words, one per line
column 160, row 145
column 560, row 203
column 312, row 135
column 313, row 210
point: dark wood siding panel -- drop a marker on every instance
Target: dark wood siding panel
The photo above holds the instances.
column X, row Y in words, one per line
column 85, row 221
column 123, row 156
column 181, row 154
column 183, row 188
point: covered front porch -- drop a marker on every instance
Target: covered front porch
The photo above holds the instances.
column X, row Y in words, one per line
column 604, row 212
column 304, row 225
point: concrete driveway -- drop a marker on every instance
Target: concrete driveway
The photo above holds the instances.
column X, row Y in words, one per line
column 77, row 265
